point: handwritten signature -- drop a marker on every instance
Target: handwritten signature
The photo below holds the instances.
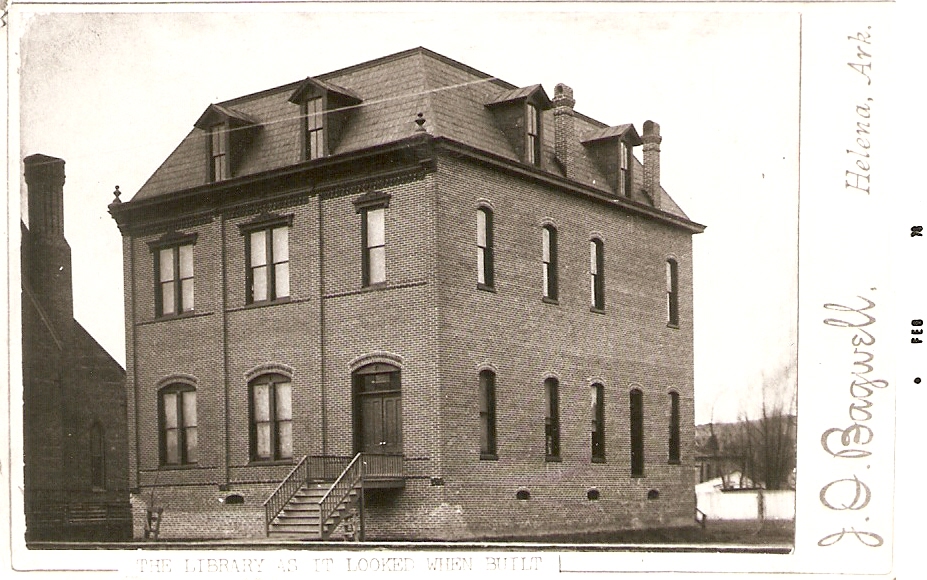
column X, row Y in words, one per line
column 851, row 493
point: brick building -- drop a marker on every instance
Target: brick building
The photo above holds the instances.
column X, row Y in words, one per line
column 474, row 291
column 74, row 399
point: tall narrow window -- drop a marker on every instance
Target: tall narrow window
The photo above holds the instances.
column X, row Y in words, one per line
column 268, row 264
column 97, row 457
column 218, row 153
column 487, row 396
column 597, row 393
column 484, row 248
column 373, row 232
column 637, row 433
column 552, row 420
column 549, row 260
column 315, row 137
column 672, row 293
column 179, row 440
column 174, row 294
column 596, row 274
column 624, row 162
column 533, row 135
column 271, row 418
column 674, row 428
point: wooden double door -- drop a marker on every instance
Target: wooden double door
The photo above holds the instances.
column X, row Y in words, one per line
column 378, row 404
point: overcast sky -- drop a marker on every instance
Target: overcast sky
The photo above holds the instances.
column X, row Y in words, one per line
column 113, row 95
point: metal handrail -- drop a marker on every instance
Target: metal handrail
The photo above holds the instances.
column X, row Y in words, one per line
column 353, row 473
column 704, row 519
column 291, row 484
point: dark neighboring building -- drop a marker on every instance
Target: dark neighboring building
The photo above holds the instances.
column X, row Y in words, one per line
column 470, row 302
column 74, row 401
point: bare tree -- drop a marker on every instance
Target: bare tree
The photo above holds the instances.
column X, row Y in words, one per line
column 768, row 442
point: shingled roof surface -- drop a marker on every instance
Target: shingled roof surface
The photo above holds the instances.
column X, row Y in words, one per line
column 451, row 96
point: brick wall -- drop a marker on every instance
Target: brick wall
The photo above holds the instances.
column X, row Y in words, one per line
column 70, row 385
column 526, row 340
column 432, row 319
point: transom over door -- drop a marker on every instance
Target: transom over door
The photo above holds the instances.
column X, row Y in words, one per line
column 379, row 405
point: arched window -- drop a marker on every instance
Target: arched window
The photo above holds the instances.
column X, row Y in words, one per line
column 637, row 433
column 597, row 392
column 552, row 420
column 672, row 293
column 597, row 274
column 549, row 261
column 674, row 428
column 271, row 418
column 484, row 248
column 179, row 440
column 487, row 396
column 97, row 457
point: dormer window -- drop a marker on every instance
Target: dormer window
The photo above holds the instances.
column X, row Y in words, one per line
column 624, row 171
column 218, row 153
column 518, row 113
column 315, row 138
column 325, row 108
column 612, row 150
column 228, row 134
column 533, row 134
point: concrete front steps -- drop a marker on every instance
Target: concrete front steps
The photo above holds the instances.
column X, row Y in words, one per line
column 299, row 520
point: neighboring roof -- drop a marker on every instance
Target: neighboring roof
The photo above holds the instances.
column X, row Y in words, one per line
column 456, row 100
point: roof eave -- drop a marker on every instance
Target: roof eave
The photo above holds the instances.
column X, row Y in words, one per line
column 571, row 186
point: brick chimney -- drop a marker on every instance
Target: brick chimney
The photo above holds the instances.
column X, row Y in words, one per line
column 47, row 263
column 652, row 139
column 564, row 131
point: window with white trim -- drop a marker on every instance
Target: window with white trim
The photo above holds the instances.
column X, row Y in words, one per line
column 271, row 418
column 179, row 435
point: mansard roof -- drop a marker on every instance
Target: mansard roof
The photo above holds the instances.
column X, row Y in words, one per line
column 386, row 94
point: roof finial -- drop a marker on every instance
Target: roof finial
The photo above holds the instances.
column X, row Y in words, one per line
column 420, row 121
column 117, row 193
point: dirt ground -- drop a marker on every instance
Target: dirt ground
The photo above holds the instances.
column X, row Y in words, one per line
column 742, row 533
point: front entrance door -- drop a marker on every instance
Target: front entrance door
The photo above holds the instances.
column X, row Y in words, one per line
column 380, row 423
column 379, row 406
